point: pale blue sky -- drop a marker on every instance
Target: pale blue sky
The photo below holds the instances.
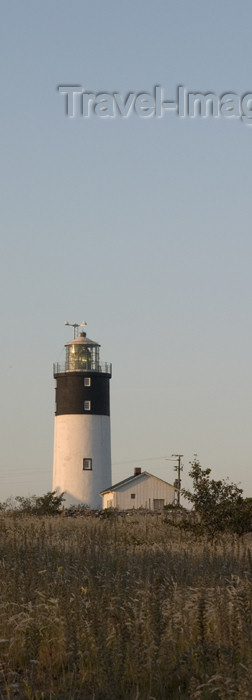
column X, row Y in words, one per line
column 141, row 227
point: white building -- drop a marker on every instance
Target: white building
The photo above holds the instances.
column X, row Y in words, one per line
column 141, row 490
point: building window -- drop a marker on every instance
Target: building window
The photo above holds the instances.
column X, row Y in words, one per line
column 132, row 495
column 87, row 405
column 158, row 503
column 87, row 381
column 110, row 503
column 87, row 464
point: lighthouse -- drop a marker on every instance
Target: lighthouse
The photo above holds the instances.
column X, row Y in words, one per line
column 82, row 451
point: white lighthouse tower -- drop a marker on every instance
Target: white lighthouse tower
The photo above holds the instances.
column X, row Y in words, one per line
column 82, row 452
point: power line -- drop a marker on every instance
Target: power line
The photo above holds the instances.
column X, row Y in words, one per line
column 141, row 459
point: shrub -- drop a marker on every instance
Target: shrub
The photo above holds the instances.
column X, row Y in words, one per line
column 219, row 504
column 49, row 504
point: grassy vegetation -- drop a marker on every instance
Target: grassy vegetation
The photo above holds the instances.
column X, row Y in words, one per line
column 122, row 609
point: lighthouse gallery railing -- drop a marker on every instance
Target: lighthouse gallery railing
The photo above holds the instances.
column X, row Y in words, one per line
column 78, row 366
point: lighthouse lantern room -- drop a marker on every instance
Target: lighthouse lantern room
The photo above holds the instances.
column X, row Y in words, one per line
column 82, row 451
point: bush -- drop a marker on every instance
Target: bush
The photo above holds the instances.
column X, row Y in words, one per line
column 219, row 504
column 49, row 504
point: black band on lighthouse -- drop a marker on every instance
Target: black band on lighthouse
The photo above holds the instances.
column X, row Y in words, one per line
column 73, row 396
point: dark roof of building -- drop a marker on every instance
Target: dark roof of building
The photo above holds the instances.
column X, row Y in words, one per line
column 134, row 478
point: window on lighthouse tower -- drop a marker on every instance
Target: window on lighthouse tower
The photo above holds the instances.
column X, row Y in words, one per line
column 87, row 463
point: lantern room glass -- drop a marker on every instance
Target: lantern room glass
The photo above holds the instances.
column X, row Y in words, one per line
column 82, row 357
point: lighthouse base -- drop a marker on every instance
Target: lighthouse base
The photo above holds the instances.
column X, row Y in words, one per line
column 82, row 458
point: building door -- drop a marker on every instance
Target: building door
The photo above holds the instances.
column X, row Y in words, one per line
column 158, row 503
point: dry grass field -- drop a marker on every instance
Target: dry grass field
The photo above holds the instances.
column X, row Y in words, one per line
column 123, row 608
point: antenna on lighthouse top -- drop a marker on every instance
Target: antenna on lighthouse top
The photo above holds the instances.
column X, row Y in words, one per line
column 75, row 326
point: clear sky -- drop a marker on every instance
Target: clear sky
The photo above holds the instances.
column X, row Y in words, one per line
column 139, row 226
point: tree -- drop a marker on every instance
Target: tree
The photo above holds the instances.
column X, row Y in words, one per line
column 219, row 504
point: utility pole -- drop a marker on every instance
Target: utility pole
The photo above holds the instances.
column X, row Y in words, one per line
column 179, row 469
